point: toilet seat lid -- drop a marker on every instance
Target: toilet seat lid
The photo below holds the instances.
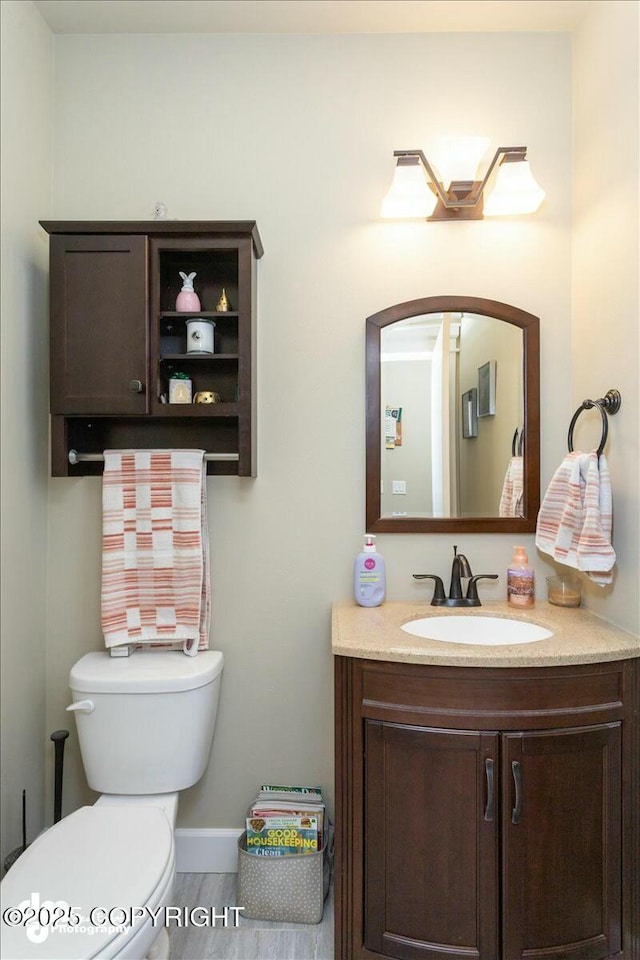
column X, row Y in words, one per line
column 101, row 856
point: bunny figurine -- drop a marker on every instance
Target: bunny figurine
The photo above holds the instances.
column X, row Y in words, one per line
column 187, row 300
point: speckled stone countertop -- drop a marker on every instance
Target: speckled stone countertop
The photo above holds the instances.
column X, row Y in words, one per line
column 375, row 633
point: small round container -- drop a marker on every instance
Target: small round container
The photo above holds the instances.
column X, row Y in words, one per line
column 207, row 396
column 200, row 336
column 564, row 591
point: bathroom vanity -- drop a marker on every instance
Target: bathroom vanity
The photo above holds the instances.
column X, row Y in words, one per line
column 487, row 796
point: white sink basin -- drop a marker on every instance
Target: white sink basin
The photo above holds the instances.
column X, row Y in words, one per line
column 486, row 631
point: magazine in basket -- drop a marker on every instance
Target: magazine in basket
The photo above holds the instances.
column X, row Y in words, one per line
column 304, row 804
column 282, row 836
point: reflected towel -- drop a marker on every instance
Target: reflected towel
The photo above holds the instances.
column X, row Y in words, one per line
column 512, row 490
column 574, row 522
column 155, row 548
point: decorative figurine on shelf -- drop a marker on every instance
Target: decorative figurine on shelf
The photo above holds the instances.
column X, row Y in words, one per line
column 187, row 300
column 223, row 304
column 180, row 388
column 160, row 212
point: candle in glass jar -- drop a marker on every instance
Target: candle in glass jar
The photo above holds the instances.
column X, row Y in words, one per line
column 564, row 591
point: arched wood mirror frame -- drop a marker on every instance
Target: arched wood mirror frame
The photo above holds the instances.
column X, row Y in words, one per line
column 530, row 326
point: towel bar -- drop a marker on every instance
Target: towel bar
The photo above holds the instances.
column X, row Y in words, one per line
column 75, row 457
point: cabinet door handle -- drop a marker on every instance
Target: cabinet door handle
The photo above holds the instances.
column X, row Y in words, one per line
column 136, row 386
column 516, row 770
column 489, row 809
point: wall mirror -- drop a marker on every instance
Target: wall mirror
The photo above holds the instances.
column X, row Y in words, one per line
column 453, row 424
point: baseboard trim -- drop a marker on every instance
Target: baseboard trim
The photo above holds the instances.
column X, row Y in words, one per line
column 207, row 850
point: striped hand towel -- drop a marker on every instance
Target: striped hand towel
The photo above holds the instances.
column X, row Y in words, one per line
column 561, row 514
column 595, row 553
column 155, row 548
column 512, row 490
column 574, row 522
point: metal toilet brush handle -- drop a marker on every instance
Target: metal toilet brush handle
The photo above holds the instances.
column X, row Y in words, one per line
column 58, row 737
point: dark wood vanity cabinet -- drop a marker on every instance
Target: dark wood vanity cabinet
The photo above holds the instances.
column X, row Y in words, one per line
column 487, row 813
column 562, row 842
column 430, row 853
column 116, row 339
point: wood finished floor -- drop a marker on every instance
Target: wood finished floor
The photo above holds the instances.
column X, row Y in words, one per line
column 252, row 939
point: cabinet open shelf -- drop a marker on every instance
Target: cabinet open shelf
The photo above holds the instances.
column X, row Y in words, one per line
column 188, row 410
column 200, row 357
column 213, row 434
column 201, row 315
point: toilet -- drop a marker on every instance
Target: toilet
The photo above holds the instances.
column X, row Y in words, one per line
column 145, row 725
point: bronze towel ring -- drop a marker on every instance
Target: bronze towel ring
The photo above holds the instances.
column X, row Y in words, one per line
column 610, row 403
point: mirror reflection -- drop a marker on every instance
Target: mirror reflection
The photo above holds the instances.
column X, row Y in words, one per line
column 452, row 417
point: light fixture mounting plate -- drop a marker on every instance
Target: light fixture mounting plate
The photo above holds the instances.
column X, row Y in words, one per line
column 459, row 190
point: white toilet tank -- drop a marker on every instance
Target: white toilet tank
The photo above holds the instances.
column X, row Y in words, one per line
column 148, row 723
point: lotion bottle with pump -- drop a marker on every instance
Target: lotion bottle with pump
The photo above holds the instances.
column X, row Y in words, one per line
column 520, row 580
column 369, row 577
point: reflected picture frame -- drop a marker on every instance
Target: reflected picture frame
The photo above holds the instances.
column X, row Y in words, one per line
column 487, row 389
column 470, row 414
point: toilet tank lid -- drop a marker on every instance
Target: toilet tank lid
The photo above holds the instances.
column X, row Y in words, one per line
column 145, row 671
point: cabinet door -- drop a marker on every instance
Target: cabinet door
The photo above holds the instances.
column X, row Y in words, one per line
column 562, row 846
column 99, row 322
column 430, row 843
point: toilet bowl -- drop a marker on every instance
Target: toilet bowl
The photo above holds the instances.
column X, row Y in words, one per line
column 94, row 868
column 105, row 872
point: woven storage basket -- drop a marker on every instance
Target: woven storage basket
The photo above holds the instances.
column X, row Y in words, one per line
column 288, row 889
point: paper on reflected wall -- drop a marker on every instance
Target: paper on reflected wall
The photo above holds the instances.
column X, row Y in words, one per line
column 392, row 427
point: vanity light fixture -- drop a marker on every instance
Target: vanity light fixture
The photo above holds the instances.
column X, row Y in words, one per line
column 417, row 192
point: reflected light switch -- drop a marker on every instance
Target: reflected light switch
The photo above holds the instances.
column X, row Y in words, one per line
column 398, row 486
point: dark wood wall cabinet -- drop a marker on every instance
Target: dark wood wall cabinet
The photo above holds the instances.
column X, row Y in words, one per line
column 487, row 813
column 116, row 339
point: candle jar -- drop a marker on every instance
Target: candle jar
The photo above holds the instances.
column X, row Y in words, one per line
column 200, row 335
column 564, row 591
column 180, row 390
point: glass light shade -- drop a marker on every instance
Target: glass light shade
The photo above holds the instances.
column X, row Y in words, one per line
column 409, row 196
column 458, row 158
column 515, row 191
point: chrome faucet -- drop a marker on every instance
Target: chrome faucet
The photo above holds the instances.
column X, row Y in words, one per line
column 459, row 568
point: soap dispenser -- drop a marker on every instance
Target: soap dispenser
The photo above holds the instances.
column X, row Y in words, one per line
column 520, row 580
column 369, row 575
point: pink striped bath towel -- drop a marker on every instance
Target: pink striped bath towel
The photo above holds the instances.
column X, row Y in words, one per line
column 155, row 548
column 574, row 522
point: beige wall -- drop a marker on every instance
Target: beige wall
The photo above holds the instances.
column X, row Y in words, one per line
column 26, row 138
column 605, row 331
column 298, row 133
